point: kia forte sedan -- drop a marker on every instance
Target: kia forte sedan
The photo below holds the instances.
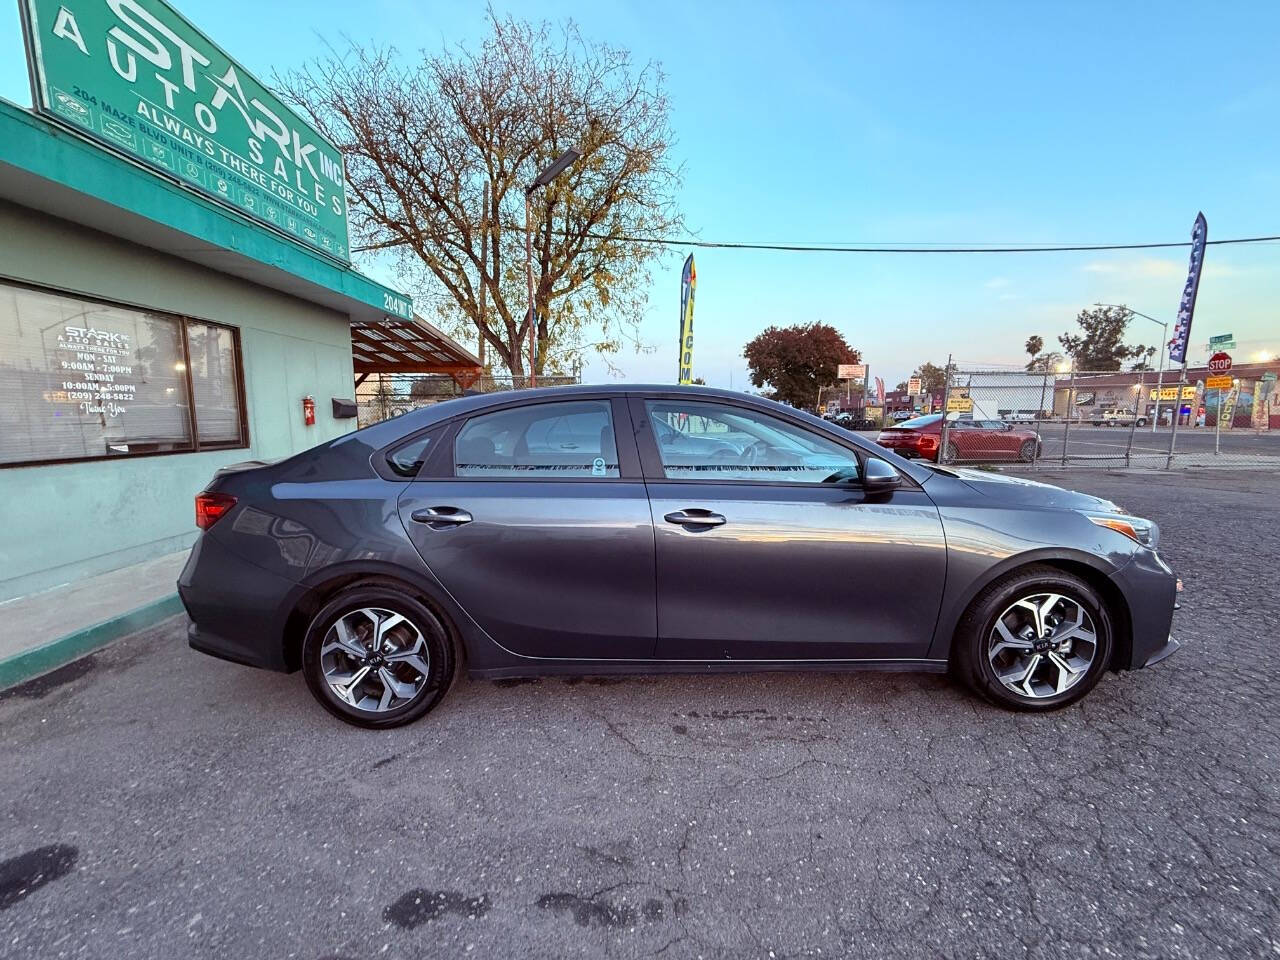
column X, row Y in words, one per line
column 618, row 530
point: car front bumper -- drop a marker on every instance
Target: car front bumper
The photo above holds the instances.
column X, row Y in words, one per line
column 1150, row 591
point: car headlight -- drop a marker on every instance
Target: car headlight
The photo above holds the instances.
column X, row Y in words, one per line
column 1136, row 529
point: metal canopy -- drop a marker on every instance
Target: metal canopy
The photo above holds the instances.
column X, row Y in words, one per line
column 392, row 345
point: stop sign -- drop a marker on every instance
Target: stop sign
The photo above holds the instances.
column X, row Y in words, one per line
column 1220, row 362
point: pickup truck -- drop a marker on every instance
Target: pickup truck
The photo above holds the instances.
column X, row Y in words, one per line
column 1117, row 418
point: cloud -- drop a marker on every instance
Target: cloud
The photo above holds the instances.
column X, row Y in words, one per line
column 1156, row 268
column 1144, row 268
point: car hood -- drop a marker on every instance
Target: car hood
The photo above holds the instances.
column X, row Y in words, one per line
column 1019, row 490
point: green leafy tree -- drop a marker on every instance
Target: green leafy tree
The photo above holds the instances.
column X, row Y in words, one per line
column 1100, row 345
column 439, row 152
column 932, row 377
column 797, row 362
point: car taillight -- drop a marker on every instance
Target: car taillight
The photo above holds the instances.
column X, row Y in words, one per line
column 210, row 507
column 927, row 442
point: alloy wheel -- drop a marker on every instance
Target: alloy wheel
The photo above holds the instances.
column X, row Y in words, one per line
column 375, row 659
column 1042, row 645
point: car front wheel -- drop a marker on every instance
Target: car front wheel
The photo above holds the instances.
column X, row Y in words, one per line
column 1037, row 639
column 376, row 657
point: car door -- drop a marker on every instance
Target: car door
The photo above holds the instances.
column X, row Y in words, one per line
column 965, row 436
column 768, row 548
column 538, row 525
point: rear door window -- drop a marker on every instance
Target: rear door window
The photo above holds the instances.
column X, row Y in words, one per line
column 557, row 440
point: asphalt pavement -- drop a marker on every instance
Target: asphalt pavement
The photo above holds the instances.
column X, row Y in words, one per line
column 158, row 803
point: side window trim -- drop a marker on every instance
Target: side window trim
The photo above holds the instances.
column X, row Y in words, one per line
column 624, row 444
column 651, row 457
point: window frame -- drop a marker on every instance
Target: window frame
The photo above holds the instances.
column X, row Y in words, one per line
column 651, row 455
column 440, row 466
column 181, row 320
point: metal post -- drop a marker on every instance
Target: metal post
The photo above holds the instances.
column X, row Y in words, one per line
column 1133, row 426
column 1177, row 415
column 946, row 424
column 1155, row 416
column 1217, row 425
column 528, row 271
column 1044, row 386
column 1071, row 405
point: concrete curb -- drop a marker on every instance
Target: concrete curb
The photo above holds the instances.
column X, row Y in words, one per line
column 57, row 653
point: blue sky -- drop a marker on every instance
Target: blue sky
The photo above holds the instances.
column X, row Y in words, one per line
column 909, row 122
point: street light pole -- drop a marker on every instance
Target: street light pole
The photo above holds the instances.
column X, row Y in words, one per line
column 559, row 166
column 1164, row 346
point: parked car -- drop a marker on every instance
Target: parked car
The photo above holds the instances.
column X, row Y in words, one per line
column 619, row 530
column 967, row 440
column 1117, row 418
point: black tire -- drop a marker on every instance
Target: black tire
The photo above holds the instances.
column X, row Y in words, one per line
column 1142, row 421
column 440, row 643
column 969, row 660
column 1027, row 451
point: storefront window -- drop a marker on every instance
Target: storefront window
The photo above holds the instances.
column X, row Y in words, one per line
column 83, row 380
column 212, row 352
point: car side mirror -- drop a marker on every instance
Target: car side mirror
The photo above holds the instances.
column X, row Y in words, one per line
column 878, row 476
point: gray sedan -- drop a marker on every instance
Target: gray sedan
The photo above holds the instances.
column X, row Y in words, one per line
column 630, row 529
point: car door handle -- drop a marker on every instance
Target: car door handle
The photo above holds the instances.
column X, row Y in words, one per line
column 695, row 517
column 438, row 518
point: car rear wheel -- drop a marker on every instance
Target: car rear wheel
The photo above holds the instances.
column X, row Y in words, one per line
column 1027, row 451
column 1037, row 639
column 376, row 657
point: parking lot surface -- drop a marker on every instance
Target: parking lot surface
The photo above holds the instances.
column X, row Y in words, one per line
column 158, row 803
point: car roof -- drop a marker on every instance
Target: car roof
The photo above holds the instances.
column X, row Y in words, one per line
column 387, row 431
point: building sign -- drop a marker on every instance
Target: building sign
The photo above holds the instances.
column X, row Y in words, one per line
column 1171, row 393
column 913, row 386
column 137, row 77
column 688, row 287
column 851, row 371
column 1187, row 305
column 959, row 401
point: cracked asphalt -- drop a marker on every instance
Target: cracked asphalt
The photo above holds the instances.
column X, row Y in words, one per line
column 158, row 803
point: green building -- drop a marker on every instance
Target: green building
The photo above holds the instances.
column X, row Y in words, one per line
column 165, row 309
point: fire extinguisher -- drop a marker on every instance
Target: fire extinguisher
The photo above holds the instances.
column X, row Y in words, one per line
column 309, row 411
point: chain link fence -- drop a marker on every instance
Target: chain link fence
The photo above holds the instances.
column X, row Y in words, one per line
column 383, row 396
column 1111, row 419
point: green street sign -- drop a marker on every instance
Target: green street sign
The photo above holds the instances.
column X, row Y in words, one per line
column 136, row 77
column 1222, row 340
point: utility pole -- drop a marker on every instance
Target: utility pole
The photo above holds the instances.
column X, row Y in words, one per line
column 559, row 166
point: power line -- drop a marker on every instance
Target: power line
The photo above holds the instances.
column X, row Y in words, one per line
column 817, row 248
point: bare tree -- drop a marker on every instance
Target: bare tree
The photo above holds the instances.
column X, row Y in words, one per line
column 439, row 155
